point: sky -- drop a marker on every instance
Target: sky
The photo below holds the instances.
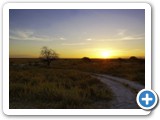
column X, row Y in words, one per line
column 77, row 33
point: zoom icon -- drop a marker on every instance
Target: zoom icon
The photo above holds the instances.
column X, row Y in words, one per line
column 147, row 99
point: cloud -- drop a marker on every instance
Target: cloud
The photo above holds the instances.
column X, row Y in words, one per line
column 121, row 32
column 71, row 44
column 61, row 38
column 125, row 38
column 89, row 39
column 27, row 35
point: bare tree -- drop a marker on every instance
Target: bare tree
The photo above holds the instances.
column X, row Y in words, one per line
column 48, row 55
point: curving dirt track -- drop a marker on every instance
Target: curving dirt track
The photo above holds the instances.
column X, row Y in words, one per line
column 125, row 91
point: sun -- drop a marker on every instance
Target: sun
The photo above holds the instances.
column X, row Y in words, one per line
column 105, row 54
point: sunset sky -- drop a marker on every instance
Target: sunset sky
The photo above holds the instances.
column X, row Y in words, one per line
column 77, row 33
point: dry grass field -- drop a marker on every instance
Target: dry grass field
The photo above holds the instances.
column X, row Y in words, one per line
column 67, row 83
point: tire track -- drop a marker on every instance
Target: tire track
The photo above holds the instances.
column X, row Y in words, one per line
column 125, row 97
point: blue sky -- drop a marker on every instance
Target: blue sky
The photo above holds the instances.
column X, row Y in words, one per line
column 77, row 33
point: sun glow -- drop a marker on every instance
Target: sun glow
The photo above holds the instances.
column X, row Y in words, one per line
column 105, row 54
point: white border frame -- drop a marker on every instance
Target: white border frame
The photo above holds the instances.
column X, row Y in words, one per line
column 8, row 6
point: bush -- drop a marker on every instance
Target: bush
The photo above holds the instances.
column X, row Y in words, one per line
column 86, row 59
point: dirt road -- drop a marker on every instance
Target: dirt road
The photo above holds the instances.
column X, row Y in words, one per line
column 125, row 91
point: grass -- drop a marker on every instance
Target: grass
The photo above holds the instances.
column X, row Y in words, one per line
column 128, row 69
column 55, row 88
column 67, row 82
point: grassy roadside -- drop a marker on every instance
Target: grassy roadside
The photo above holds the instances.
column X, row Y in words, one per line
column 46, row 88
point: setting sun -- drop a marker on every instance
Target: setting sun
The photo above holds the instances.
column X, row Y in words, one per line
column 105, row 54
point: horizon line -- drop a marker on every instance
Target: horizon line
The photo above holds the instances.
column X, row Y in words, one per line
column 139, row 57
